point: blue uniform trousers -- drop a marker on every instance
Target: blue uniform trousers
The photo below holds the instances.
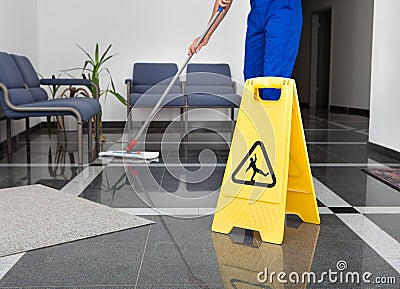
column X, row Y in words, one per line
column 272, row 40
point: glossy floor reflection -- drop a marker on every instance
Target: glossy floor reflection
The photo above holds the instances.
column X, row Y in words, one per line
column 359, row 215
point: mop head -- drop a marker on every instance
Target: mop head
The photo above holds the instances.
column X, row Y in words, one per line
column 132, row 155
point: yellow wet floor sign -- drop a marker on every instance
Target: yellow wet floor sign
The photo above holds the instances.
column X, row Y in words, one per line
column 268, row 171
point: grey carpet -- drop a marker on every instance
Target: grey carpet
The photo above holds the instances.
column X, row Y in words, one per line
column 33, row 217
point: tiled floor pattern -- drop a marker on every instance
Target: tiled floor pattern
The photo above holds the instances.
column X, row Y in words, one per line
column 359, row 215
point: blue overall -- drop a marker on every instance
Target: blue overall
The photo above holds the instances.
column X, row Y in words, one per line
column 272, row 40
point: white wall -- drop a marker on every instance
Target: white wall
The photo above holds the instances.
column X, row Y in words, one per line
column 351, row 51
column 385, row 99
column 18, row 34
column 151, row 30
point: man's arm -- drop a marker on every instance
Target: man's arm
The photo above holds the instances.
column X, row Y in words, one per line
column 226, row 4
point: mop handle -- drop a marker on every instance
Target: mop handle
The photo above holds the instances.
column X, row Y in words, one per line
column 175, row 78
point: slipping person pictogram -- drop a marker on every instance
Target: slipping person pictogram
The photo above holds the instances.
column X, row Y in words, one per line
column 256, row 170
column 262, row 182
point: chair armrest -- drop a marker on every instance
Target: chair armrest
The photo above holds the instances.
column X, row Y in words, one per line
column 129, row 80
column 10, row 105
column 183, row 86
column 129, row 85
column 71, row 81
column 234, row 85
column 65, row 81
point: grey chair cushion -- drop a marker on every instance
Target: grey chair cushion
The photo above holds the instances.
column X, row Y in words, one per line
column 38, row 93
column 219, row 90
column 30, row 77
column 18, row 96
column 150, row 80
column 10, row 75
column 210, row 100
column 208, row 74
column 150, row 100
column 153, row 73
column 158, row 89
column 27, row 71
column 210, row 85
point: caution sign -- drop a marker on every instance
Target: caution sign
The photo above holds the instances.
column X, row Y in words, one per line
column 268, row 172
column 254, row 169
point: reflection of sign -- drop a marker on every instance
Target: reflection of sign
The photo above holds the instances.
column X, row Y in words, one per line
column 235, row 284
column 251, row 160
column 240, row 264
column 268, row 172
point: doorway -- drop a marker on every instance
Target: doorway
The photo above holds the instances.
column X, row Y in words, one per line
column 321, row 58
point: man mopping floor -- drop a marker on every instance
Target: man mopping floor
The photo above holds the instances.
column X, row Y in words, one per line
column 272, row 38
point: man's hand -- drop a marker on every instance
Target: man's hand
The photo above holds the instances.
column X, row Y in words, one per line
column 192, row 49
column 224, row 3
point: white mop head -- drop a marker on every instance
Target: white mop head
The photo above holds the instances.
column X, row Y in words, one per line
column 133, row 155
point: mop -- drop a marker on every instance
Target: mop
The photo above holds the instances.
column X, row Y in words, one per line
column 153, row 155
column 133, row 142
column 133, row 155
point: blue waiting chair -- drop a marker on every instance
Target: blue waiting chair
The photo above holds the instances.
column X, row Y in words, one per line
column 148, row 83
column 22, row 97
column 211, row 85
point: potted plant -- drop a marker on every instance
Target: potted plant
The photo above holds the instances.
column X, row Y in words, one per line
column 95, row 68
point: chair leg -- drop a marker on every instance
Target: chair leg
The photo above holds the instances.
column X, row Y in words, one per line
column 9, row 149
column 98, row 128
column 186, row 117
column 27, row 130
column 233, row 118
column 182, row 114
column 97, row 136
column 80, row 144
column 128, row 125
column 90, row 138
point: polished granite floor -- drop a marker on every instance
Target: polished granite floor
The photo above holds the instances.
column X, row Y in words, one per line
column 360, row 216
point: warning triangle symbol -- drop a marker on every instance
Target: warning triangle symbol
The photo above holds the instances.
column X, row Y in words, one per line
column 250, row 163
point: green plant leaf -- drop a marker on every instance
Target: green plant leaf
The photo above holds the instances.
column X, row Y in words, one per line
column 87, row 62
column 119, row 97
column 96, row 53
column 105, row 53
column 108, row 58
column 87, row 53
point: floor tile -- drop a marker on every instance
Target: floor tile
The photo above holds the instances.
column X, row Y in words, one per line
column 335, row 136
column 374, row 195
column 354, row 124
column 356, row 153
column 180, row 263
column 52, row 176
column 176, row 229
column 341, row 177
column 77, row 264
column 320, row 155
column 388, row 222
